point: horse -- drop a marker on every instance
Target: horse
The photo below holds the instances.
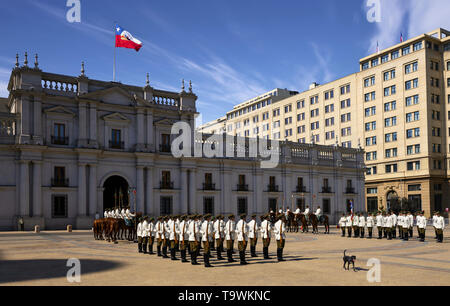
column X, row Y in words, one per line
column 315, row 223
column 292, row 222
column 98, row 229
column 302, row 219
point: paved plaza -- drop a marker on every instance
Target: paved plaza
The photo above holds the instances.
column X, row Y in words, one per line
column 40, row 259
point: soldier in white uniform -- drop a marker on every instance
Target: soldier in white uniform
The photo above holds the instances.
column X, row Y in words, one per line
column 342, row 223
column 379, row 220
column 194, row 229
column 405, row 225
column 280, row 236
column 400, row 220
column 145, row 233
column 183, row 237
column 242, row 237
column 297, row 211
column 230, row 228
column 207, row 232
column 139, row 235
column 266, row 230
column 388, row 226
column 422, row 225
column 117, row 213
column 411, row 224
column 361, row 225
column 355, row 226
column 159, row 230
column 105, row 214
column 440, row 226
column 385, row 232
column 370, row 223
column 151, row 235
column 253, row 229
column 306, row 213
column 319, row 214
column 349, row 225
column 174, row 231
column 394, row 225
column 219, row 234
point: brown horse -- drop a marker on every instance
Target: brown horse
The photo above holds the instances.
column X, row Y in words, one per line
column 301, row 218
column 292, row 222
column 98, row 229
column 315, row 223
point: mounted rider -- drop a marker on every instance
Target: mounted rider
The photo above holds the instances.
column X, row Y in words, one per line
column 306, row 213
column 319, row 215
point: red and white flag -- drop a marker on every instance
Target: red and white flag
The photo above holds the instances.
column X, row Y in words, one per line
column 125, row 40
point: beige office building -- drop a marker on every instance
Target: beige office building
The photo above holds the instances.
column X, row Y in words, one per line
column 397, row 108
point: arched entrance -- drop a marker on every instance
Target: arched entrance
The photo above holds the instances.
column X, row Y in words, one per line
column 392, row 201
column 115, row 192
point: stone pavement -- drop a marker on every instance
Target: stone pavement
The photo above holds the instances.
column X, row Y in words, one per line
column 40, row 259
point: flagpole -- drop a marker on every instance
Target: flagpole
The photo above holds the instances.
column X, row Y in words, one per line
column 114, row 67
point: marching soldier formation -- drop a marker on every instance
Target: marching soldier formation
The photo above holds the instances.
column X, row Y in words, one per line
column 188, row 234
column 386, row 224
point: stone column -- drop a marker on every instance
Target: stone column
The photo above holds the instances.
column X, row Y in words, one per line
column 25, row 120
column 257, row 192
column 37, row 127
column 139, row 188
column 93, row 125
column 24, row 188
column 82, row 135
column 150, row 136
column 184, row 203
column 93, row 190
column 140, row 130
column 227, row 206
column 192, row 192
column 149, row 205
column 81, row 190
column 37, row 189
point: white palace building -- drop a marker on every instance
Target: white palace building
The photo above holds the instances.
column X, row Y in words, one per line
column 71, row 147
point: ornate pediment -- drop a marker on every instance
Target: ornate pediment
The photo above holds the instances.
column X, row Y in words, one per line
column 113, row 95
column 164, row 122
column 60, row 111
column 116, row 117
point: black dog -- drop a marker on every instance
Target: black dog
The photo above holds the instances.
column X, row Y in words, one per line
column 348, row 260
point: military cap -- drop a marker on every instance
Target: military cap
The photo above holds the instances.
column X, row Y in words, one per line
column 243, row 216
column 145, row 217
column 253, row 216
column 230, row 216
column 207, row 216
column 152, row 219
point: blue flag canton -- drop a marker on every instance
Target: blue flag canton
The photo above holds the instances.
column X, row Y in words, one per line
column 119, row 30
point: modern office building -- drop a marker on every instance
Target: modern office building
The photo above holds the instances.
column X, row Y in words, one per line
column 71, row 147
column 397, row 108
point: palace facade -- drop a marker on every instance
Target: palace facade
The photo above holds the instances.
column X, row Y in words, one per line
column 71, row 147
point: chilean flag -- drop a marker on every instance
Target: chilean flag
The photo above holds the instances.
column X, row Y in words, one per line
column 125, row 40
column 351, row 208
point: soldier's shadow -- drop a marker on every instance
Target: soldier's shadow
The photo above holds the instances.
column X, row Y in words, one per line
column 257, row 260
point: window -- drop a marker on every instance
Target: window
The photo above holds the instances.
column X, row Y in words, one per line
column 314, row 100
column 411, row 84
column 265, row 116
column 395, row 54
column 301, row 129
column 166, row 206
column 390, row 121
column 365, row 66
column 406, row 50
column 315, row 126
column 276, row 112
column 417, row 46
column 208, row 205
column 165, row 180
column 288, row 133
column 410, row 117
column 287, row 108
column 389, row 75
column 288, row 120
column 345, row 103
column 411, row 68
column 301, row 117
column 326, row 206
column 346, row 131
column 413, row 149
column 329, row 122
column 413, row 100
column 390, row 106
column 329, row 135
column 371, row 141
column 391, row 168
column 410, row 166
column 329, row 108
column 345, row 89
column 242, row 206
column 116, row 139
column 59, row 206
column 301, row 104
column 371, row 126
column 59, row 134
column 417, row 187
column 369, row 81
column 411, row 133
column 385, row 58
column 391, row 137
column 369, row 96
column 372, row 190
column 371, row 156
column 371, row 111
column 391, row 153
column 374, row 62
column 329, row 95
column 346, row 117
column 314, row 113
column 276, row 124
column 390, row 91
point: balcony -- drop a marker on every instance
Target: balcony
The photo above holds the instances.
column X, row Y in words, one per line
column 60, row 141
column 118, row 145
column 242, row 187
column 60, row 182
column 272, row 188
column 166, row 185
column 326, row 190
column 350, row 190
column 301, row 189
column 209, row 186
column 165, row 148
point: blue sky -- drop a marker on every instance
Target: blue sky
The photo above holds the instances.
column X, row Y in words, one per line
column 232, row 50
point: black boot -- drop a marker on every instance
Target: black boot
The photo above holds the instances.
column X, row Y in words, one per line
column 194, row 259
column 253, row 251
column 165, row 252
column 150, row 249
column 280, row 256
column 183, row 256
column 158, row 250
column 242, row 257
column 266, row 253
column 206, row 261
column 145, row 248
column 172, row 254
column 230, row 256
column 140, row 247
column 219, row 254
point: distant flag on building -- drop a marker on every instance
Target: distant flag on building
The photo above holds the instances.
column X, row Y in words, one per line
column 401, row 37
column 378, row 47
column 125, row 40
column 351, row 208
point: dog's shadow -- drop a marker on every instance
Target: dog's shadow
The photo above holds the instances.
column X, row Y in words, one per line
column 357, row 269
